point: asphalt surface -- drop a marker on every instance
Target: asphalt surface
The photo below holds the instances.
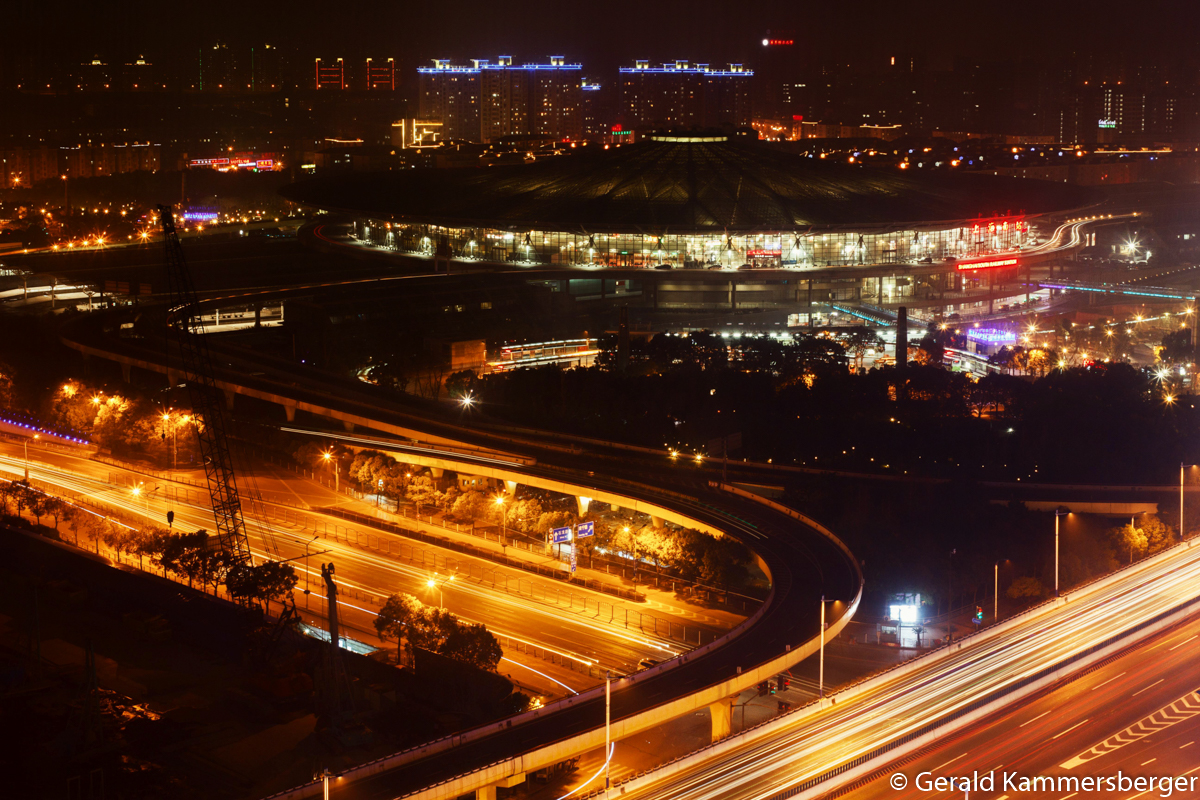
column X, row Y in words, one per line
column 776, row 760
column 366, row 576
column 1138, row 715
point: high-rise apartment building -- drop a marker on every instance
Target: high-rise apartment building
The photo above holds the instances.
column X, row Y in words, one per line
column 681, row 95
column 266, row 68
column 488, row 101
column 220, row 68
column 450, row 94
column 329, row 74
column 380, row 75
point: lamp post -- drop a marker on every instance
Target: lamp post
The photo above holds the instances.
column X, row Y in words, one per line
column 1058, row 512
column 996, row 595
column 306, row 546
column 607, row 728
column 503, row 523
column 821, row 659
column 327, row 456
column 1182, row 467
column 434, row 583
column 38, row 436
column 167, row 420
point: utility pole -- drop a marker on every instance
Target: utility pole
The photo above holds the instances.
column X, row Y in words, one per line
column 821, row 659
column 607, row 727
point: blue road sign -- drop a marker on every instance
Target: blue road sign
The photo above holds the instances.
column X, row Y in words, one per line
column 574, row 563
column 585, row 529
column 561, row 535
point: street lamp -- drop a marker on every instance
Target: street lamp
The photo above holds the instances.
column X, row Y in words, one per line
column 38, row 436
column 1182, row 467
column 503, row 523
column 1058, row 512
column 306, row 546
column 434, row 583
column 821, row 659
column 996, row 593
column 337, row 483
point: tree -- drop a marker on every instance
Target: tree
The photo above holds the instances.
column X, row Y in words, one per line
column 462, row 384
column 474, row 645
column 6, row 385
column 261, row 583
column 470, row 505
column 1176, row 347
column 858, row 341
column 119, row 537
column 410, row 622
column 422, row 492
column 39, row 505
column 1159, row 535
column 60, row 510
column 1026, row 589
column 399, row 613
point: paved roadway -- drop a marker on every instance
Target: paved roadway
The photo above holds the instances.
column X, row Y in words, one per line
column 1138, row 715
column 775, row 762
column 574, row 636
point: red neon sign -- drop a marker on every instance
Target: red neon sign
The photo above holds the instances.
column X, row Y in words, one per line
column 753, row 253
column 780, row 42
column 989, row 264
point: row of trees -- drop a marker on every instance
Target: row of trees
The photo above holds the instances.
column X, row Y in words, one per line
column 198, row 557
column 414, row 624
column 126, row 425
column 193, row 556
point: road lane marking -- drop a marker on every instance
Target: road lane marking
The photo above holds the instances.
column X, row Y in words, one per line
column 1185, row 641
column 1068, row 797
column 1151, row 686
column 948, row 763
column 1186, row 707
column 1110, row 680
column 1035, row 719
column 1189, row 744
column 1068, row 730
column 1151, row 761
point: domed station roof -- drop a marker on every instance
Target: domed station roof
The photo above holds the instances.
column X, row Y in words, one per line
column 680, row 184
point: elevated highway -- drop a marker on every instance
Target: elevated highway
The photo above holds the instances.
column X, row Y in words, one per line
column 803, row 560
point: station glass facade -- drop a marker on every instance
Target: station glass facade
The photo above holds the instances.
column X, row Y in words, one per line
column 780, row 249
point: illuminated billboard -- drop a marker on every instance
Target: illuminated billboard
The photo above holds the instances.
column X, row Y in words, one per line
column 991, row 263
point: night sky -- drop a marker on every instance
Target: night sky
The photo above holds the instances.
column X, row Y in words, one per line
column 604, row 35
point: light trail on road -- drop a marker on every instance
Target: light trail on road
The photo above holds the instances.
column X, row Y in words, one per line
column 513, row 616
column 772, row 762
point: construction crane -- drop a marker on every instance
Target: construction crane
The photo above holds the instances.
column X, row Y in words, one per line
column 187, row 330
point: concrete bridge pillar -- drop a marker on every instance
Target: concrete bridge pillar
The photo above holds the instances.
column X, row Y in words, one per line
column 125, row 370
column 510, row 488
column 721, row 715
column 229, row 399
column 348, row 426
column 489, row 792
column 258, row 315
column 437, row 472
column 656, row 522
column 583, row 503
column 290, row 411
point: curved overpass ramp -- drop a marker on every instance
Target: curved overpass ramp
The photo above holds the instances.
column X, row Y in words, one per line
column 804, row 561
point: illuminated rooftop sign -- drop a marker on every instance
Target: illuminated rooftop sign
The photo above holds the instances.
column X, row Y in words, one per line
column 1108, row 123
column 991, row 336
column 993, row 263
